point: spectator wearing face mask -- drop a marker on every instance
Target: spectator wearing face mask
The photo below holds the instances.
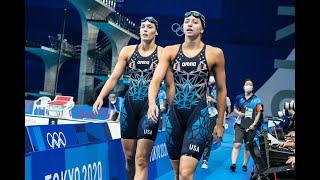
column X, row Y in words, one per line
column 249, row 109
column 114, row 106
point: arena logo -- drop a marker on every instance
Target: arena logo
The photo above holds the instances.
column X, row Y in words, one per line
column 88, row 171
column 189, row 64
column 177, row 28
column 143, row 62
column 56, row 139
column 193, row 147
column 158, row 151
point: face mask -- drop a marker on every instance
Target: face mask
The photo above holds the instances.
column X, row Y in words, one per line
column 112, row 102
column 211, row 80
column 247, row 88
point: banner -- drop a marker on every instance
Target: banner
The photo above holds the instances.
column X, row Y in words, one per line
column 78, row 163
column 159, row 162
column 49, row 137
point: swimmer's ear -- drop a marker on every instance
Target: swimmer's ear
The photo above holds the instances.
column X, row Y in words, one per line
column 202, row 31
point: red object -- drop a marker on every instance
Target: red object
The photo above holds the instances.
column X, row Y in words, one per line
column 59, row 103
column 61, row 100
column 61, row 106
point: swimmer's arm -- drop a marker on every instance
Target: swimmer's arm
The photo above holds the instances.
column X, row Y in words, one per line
column 116, row 73
column 159, row 73
column 219, row 69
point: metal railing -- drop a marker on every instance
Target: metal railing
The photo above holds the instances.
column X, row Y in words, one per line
column 73, row 50
column 123, row 22
column 103, row 43
column 110, row 3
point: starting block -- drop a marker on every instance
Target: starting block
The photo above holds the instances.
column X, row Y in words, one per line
column 61, row 107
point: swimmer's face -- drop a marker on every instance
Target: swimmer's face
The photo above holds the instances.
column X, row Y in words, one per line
column 192, row 26
column 148, row 30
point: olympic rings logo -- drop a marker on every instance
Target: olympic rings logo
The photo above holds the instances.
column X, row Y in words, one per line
column 56, row 139
column 177, row 28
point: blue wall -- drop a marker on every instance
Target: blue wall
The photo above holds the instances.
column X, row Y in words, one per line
column 245, row 30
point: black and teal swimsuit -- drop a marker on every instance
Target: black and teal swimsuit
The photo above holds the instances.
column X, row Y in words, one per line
column 188, row 124
column 133, row 119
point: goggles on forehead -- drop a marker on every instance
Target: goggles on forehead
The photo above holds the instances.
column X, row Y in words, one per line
column 150, row 19
column 196, row 14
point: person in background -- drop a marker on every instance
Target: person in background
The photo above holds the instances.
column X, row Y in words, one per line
column 114, row 107
column 163, row 105
column 248, row 107
column 213, row 112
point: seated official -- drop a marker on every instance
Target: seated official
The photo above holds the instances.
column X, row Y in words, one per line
column 114, row 106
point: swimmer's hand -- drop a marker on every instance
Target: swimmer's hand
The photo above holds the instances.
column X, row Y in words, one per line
column 97, row 105
column 218, row 131
column 153, row 112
